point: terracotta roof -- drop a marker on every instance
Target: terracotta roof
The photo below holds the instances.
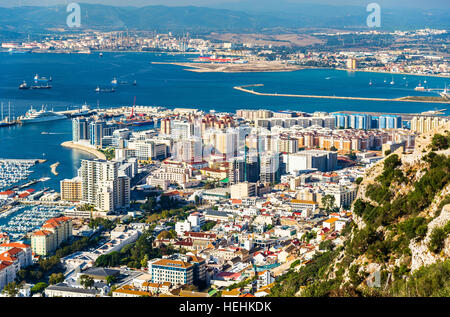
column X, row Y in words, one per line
column 298, row 201
column 172, row 263
column 4, row 264
column 42, row 233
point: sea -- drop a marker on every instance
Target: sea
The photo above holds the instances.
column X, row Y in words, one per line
column 75, row 77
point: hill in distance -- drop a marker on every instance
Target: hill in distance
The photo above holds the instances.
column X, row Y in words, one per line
column 247, row 17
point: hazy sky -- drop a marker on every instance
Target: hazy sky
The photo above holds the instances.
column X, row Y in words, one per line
column 385, row 3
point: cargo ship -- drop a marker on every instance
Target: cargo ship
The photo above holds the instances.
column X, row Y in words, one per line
column 98, row 89
column 44, row 79
column 46, row 86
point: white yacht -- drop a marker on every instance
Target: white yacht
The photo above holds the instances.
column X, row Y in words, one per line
column 34, row 116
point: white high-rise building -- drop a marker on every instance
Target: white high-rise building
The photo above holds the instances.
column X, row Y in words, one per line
column 102, row 186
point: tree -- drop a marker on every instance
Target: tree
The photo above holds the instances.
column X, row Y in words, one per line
column 166, row 235
column 440, row 142
column 110, row 279
column 56, row 278
column 86, row 281
column 144, row 261
column 11, row 289
column 39, row 287
column 208, row 225
column 328, row 202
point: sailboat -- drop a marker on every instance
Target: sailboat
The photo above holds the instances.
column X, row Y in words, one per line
column 370, row 82
column 392, row 82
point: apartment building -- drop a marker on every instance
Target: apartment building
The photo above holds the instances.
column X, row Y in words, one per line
column 71, row 189
column 52, row 233
column 102, row 186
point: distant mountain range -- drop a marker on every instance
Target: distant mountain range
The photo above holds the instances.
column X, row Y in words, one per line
column 262, row 18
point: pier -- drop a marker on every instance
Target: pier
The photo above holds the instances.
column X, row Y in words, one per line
column 251, row 91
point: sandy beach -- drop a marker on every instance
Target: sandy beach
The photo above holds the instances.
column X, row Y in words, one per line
column 71, row 145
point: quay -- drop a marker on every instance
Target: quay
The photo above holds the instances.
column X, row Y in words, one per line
column 72, row 145
column 250, row 91
column 58, row 203
column 22, row 161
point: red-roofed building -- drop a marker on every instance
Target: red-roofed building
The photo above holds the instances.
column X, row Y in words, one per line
column 52, row 233
column 7, row 194
column 7, row 273
column 13, row 257
column 4, row 238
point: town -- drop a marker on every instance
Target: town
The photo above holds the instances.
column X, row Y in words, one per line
column 184, row 203
column 401, row 51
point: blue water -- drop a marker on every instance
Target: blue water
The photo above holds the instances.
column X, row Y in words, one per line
column 75, row 77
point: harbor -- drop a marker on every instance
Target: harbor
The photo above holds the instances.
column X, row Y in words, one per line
column 21, row 220
column 13, row 171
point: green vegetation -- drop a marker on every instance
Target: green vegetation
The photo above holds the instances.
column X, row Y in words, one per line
column 289, row 284
column 328, row 202
column 109, row 153
column 433, row 280
column 110, row 279
column 356, row 277
column 11, row 289
column 308, row 236
column 327, row 245
column 86, row 281
column 415, row 227
column 178, row 214
column 105, row 223
column 45, row 266
column 387, row 211
column 167, row 235
column 437, row 237
column 39, row 288
column 134, row 255
column 208, row 225
column 86, row 207
column 444, row 202
column 440, row 142
column 242, row 283
column 358, row 180
column 392, row 220
column 56, row 278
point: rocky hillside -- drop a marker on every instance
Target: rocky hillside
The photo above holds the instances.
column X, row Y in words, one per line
column 398, row 243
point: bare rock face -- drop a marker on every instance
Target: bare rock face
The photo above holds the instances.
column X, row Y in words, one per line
column 420, row 253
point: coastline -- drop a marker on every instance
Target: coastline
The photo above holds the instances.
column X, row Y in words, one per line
column 71, row 145
column 390, row 73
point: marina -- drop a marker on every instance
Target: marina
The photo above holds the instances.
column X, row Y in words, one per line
column 14, row 171
column 25, row 219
